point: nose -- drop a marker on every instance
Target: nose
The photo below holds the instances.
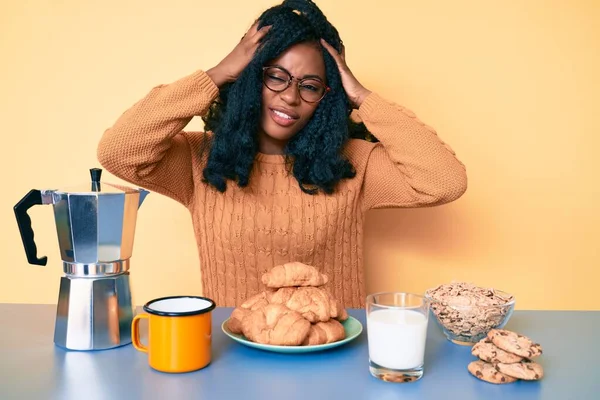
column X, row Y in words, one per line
column 291, row 95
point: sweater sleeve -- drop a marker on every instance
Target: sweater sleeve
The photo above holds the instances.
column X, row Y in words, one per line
column 146, row 145
column 410, row 166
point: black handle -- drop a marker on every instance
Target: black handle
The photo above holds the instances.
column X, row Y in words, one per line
column 95, row 174
column 34, row 197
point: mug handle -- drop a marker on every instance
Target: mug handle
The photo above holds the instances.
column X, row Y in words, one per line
column 135, row 333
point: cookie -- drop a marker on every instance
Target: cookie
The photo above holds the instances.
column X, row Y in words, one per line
column 488, row 351
column 514, row 343
column 526, row 370
column 486, row 372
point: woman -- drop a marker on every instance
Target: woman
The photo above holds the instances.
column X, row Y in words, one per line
column 276, row 177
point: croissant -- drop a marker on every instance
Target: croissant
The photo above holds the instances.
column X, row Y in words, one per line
column 293, row 274
column 294, row 310
column 312, row 303
column 239, row 313
column 315, row 304
column 342, row 313
column 256, row 301
column 235, row 320
column 275, row 324
column 325, row 332
column 337, row 310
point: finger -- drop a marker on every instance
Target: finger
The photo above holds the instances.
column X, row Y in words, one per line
column 343, row 55
column 253, row 28
column 251, row 31
column 330, row 49
column 261, row 33
column 336, row 56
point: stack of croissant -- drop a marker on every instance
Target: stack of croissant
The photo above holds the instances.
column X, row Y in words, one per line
column 295, row 310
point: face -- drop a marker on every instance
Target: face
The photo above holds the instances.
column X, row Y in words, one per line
column 286, row 112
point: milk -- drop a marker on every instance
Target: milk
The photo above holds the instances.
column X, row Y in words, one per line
column 397, row 338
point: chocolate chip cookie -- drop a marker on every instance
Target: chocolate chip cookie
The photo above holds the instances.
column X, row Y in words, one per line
column 515, row 343
column 526, row 370
column 488, row 351
column 486, row 372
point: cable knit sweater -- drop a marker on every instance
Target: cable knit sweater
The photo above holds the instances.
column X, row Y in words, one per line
column 244, row 232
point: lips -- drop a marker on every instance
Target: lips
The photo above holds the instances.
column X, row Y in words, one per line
column 283, row 117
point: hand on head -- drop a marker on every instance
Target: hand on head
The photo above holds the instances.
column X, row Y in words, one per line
column 234, row 63
column 355, row 91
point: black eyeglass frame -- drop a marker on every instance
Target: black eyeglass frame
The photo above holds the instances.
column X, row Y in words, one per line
column 293, row 78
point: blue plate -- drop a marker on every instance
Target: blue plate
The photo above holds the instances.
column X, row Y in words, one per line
column 352, row 327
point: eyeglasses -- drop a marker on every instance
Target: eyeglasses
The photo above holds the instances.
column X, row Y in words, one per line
column 277, row 79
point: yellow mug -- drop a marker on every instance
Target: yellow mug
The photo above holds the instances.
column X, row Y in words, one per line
column 179, row 333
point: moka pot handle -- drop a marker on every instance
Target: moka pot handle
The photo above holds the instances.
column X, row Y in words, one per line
column 33, row 198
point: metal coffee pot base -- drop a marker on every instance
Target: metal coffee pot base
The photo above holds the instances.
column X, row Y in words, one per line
column 95, row 225
column 94, row 313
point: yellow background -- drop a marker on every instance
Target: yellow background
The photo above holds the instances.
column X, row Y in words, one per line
column 513, row 86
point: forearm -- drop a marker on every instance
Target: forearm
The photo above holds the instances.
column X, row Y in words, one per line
column 218, row 76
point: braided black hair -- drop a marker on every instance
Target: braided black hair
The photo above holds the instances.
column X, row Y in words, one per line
column 315, row 152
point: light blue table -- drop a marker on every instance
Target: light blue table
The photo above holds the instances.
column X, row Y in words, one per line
column 32, row 367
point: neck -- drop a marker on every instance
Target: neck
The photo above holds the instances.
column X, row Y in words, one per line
column 269, row 145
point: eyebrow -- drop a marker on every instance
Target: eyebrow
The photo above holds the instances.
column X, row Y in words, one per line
column 304, row 77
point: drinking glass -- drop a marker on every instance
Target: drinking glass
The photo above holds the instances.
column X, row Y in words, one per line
column 397, row 332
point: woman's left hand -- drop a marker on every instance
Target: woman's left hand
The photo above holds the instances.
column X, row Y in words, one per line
column 355, row 91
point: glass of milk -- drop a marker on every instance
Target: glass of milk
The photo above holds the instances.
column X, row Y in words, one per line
column 397, row 331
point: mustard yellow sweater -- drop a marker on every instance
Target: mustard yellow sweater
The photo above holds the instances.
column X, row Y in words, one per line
column 244, row 232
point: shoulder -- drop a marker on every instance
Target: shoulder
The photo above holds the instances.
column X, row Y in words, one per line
column 197, row 140
column 199, row 143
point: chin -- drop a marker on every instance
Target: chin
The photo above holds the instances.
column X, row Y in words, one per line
column 282, row 136
column 280, row 133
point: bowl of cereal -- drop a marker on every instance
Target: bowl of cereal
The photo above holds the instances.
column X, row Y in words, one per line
column 466, row 312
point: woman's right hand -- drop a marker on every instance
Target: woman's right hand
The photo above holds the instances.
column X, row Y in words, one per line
column 234, row 63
